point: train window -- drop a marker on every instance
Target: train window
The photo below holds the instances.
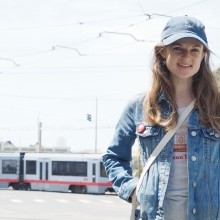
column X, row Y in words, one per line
column 69, row 168
column 31, row 167
column 102, row 170
column 93, row 169
column 9, row 166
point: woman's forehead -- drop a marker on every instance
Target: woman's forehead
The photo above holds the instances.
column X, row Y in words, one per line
column 188, row 40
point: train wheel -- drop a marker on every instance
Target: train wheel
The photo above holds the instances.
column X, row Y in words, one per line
column 83, row 189
column 27, row 186
column 16, row 187
column 12, row 185
column 72, row 189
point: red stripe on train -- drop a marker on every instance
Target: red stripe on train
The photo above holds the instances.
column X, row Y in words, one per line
column 59, row 182
column 9, row 180
column 69, row 182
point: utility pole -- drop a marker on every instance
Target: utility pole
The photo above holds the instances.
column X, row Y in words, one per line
column 39, row 135
column 90, row 119
column 96, row 123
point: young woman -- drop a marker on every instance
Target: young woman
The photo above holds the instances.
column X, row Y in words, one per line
column 184, row 180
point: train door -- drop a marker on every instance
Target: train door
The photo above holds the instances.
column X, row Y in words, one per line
column 99, row 178
column 98, row 172
column 94, row 172
column 44, row 174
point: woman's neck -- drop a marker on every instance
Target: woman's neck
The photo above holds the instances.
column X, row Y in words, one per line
column 184, row 100
column 183, row 94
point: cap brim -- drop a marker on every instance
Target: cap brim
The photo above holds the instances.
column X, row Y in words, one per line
column 178, row 36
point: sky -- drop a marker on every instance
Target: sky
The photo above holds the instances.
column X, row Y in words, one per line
column 63, row 59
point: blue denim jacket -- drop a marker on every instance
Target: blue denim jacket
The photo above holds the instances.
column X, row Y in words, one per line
column 203, row 158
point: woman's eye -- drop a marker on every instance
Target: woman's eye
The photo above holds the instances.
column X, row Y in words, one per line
column 177, row 49
column 195, row 50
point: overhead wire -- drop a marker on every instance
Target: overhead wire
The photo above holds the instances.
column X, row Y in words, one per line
column 149, row 16
column 187, row 6
column 80, row 99
column 11, row 60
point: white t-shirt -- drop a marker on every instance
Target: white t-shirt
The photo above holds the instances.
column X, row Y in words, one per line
column 175, row 201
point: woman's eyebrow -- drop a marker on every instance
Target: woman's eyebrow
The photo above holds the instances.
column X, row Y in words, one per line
column 179, row 44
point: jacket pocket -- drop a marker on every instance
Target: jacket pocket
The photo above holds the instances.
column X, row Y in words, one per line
column 212, row 146
column 148, row 137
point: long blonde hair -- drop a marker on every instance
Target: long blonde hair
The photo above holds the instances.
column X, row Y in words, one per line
column 204, row 87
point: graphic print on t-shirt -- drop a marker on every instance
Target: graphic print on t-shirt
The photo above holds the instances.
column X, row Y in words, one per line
column 180, row 143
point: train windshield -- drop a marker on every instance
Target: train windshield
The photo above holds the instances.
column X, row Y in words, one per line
column 102, row 170
column 9, row 166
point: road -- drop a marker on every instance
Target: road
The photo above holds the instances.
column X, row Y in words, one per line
column 37, row 205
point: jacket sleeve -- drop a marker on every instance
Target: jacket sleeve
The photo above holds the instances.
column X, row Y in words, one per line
column 119, row 154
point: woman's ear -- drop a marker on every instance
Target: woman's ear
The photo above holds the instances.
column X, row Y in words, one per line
column 204, row 53
column 163, row 53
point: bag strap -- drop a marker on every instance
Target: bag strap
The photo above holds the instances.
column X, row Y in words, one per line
column 156, row 152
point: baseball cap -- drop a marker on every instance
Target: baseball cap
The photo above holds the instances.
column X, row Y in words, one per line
column 182, row 27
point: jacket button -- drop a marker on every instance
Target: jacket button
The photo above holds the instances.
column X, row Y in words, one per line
column 193, row 158
column 194, row 211
column 194, row 184
column 193, row 133
column 216, row 135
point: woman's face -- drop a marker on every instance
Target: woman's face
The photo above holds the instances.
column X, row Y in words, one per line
column 183, row 57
